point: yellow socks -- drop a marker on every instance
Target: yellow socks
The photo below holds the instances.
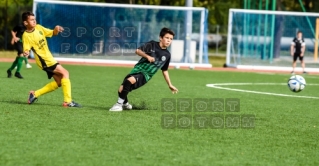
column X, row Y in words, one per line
column 66, row 88
column 46, row 89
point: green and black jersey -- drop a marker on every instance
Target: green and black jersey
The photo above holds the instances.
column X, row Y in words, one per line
column 162, row 59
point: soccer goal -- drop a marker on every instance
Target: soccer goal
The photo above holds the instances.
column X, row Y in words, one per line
column 260, row 39
column 110, row 33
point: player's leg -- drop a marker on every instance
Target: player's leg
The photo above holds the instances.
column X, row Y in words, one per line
column 125, row 88
column 302, row 64
column 66, row 86
column 14, row 64
column 19, row 48
column 137, row 81
column 130, row 83
column 19, row 66
column 126, row 105
column 27, row 65
column 123, row 91
column 294, row 62
column 33, row 95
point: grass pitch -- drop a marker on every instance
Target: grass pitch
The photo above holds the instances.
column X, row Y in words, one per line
column 285, row 129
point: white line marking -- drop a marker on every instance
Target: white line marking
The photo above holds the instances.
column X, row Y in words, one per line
column 218, row 86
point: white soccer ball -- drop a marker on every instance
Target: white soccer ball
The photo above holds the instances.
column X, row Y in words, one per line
column 296, row 83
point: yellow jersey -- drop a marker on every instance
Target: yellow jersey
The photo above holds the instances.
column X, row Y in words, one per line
column 36, row 40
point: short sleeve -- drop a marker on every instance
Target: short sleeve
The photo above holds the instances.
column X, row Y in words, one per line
column 47, row 32
column 15, row 29
column 166, row 65
column 147, row 47
column 293, row 42
column 303, row 43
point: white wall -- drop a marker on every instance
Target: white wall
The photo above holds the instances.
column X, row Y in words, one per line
column 177, row 51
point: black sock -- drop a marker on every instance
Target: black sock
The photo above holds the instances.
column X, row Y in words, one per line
column 126, row 89
column 125, row 100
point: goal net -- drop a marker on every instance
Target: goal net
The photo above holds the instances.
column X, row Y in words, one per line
column 105, row 31
column 260, row 39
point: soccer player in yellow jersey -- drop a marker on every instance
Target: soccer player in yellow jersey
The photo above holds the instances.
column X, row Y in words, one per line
column 34, row 38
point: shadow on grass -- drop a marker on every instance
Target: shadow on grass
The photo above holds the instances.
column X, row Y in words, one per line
column 143, row 106
column 25, row 103
column 95, row 107
column 135, row 107
column 140, row 106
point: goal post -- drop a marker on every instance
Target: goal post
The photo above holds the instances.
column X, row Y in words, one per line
column 316, row 42
column 261, row 39
column 108, row 31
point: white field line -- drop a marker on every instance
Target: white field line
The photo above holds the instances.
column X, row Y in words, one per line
column 218, row 86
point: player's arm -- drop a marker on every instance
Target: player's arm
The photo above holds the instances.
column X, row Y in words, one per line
column 26, row 46
column 168, row 81
column 57, row 30
column 49, row 32
column 292, row 49
column 14, row 37
column 303, row 49
column 144, row 55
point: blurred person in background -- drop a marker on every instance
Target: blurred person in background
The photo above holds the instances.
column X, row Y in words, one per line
column 16, row 40
column 297, row 50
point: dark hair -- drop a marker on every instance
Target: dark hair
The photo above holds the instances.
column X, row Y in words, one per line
column 25, row 15
column 164, row 31
column 299, row 32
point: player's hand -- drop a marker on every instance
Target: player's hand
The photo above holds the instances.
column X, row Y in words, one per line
column 173, row 89
column 59, row 28
column 301, row 54
column 16, row 39
column 151, row 59
column 26, row 53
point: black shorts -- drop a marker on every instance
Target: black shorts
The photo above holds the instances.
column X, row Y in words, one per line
column 50, row 70
column 297, row 55
column 19, row 47
column 140, row 80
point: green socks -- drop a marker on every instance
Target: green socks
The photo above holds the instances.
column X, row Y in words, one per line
column 17, row 62
column 14, row 64
column 25, row 60
column 20, row 62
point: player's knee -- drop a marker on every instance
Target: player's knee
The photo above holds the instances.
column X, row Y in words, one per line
column 65, row 73
column 62, row 71
column 132, row 80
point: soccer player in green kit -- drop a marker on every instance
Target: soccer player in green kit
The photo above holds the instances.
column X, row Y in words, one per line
column 155, row 56
column 17, row 32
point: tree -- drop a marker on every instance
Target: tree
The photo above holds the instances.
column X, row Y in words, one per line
column 10, row 15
